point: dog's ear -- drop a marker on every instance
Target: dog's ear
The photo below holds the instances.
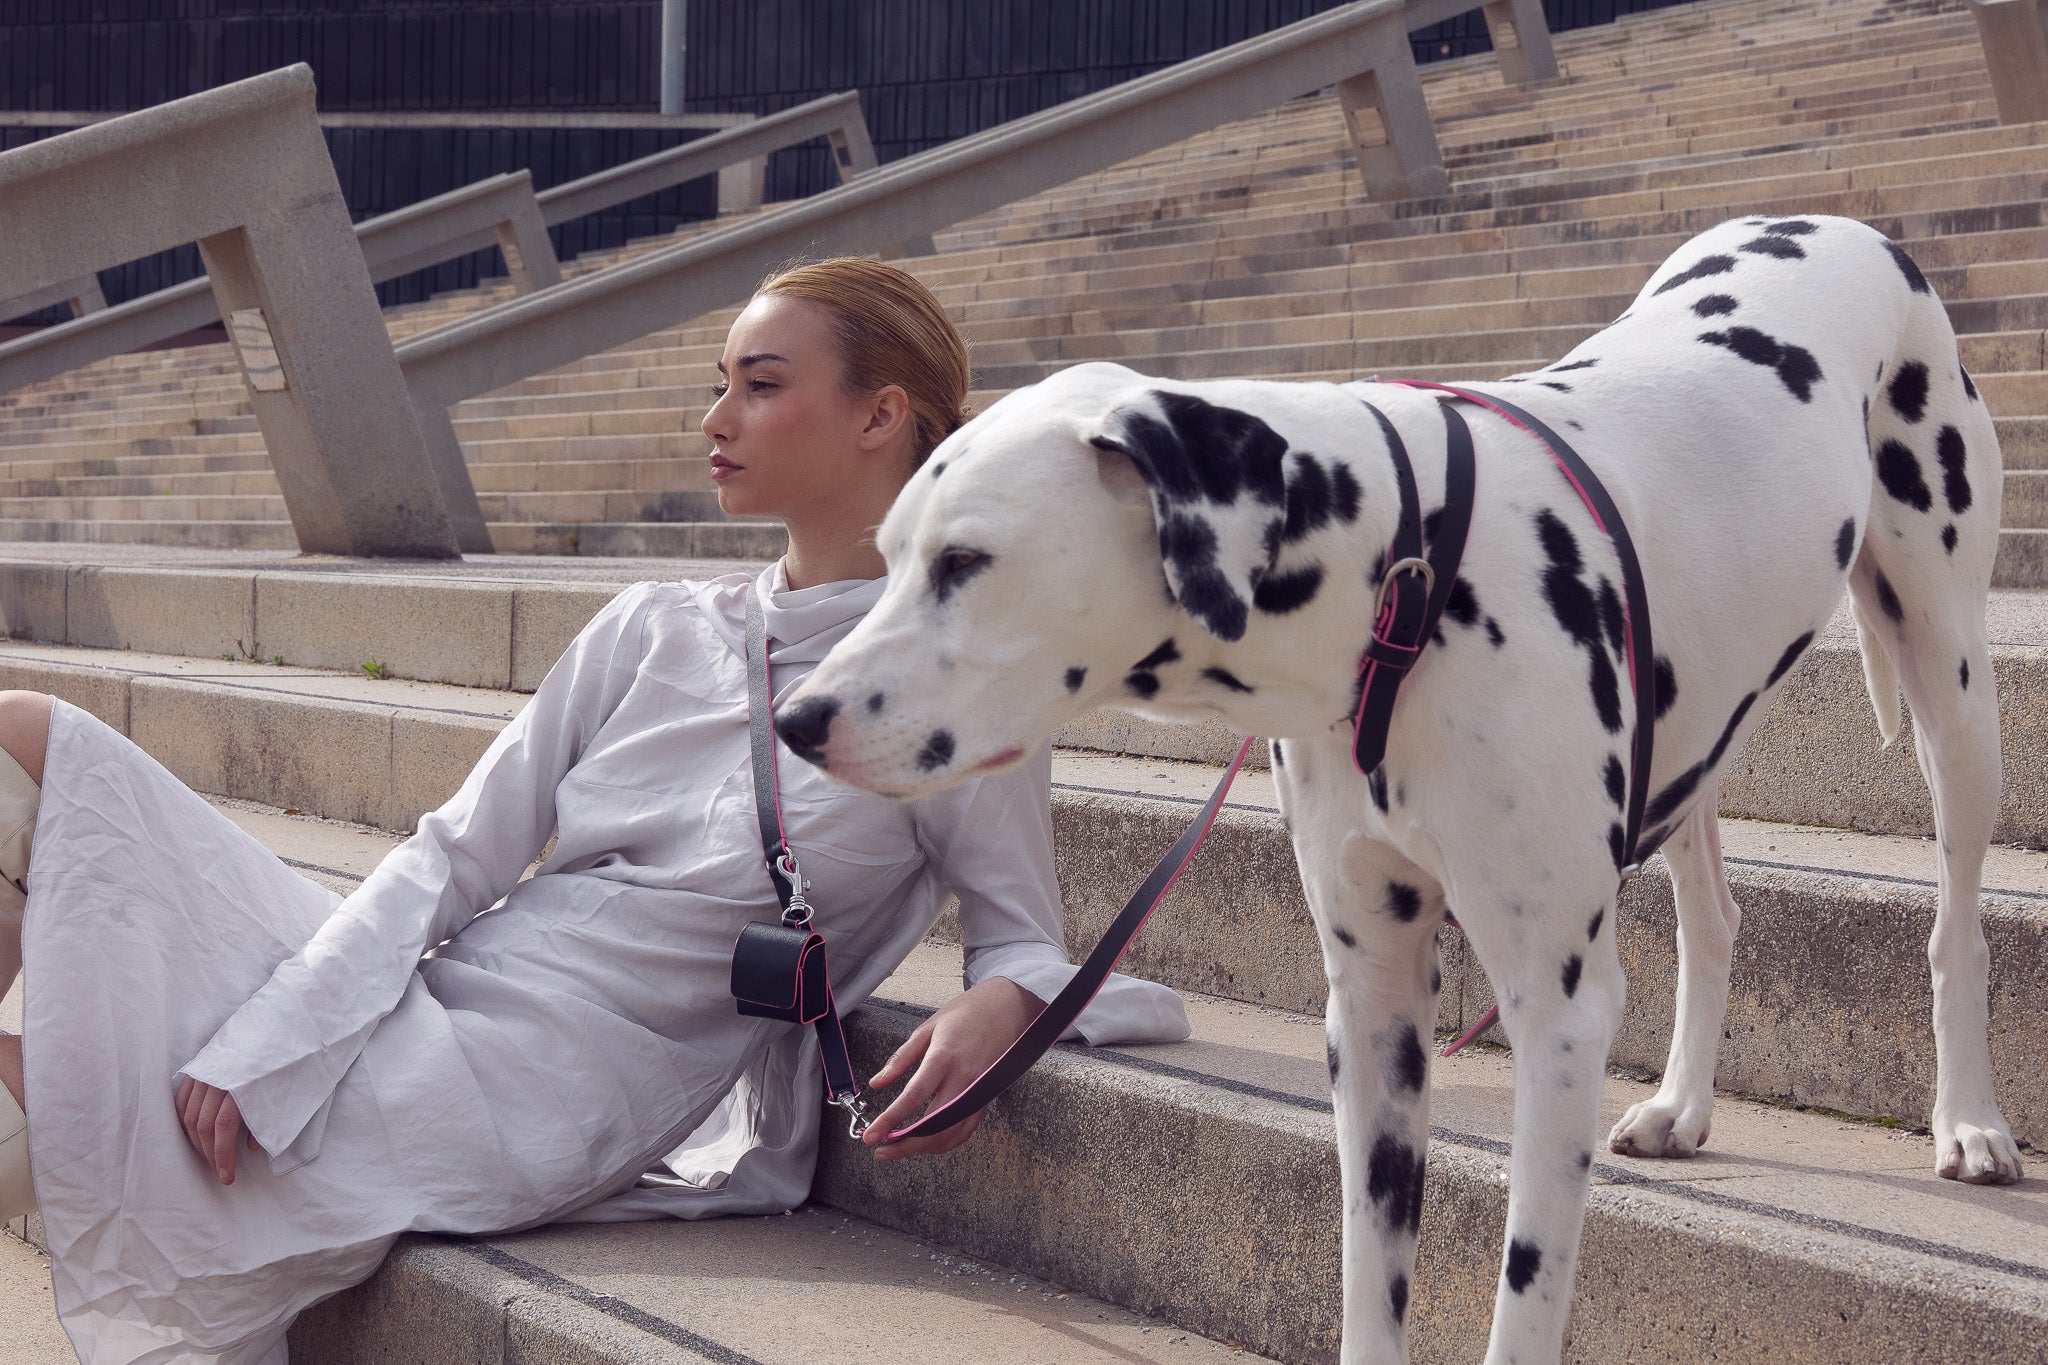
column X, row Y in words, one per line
column 1218, row 488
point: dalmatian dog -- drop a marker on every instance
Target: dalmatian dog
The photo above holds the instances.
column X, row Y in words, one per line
column 1781, row 412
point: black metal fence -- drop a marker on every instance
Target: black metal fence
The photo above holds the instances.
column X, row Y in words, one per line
column 928, row 71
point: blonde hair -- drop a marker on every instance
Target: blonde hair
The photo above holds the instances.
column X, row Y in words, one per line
column 890, row 330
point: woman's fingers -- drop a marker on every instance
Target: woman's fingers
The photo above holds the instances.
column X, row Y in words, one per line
column 923, row 1083
column 213, row 1125
column 227, row 1129
column 904, row 1057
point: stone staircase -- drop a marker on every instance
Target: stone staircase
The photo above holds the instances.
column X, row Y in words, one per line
column 1194, row 1183
column 1180, row 1203
column 1244, row 251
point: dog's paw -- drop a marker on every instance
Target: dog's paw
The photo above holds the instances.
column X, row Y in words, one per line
column 1657, row 1127
column 1977, row 1154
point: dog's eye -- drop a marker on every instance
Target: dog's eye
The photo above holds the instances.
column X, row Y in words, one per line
column 953, row 566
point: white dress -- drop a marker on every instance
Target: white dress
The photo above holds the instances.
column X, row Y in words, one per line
column 569, row 1031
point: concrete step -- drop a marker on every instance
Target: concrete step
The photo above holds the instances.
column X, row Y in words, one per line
column 382, row 752
column 1215, row 1162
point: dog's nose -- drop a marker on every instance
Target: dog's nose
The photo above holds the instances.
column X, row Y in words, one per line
column 803, row 727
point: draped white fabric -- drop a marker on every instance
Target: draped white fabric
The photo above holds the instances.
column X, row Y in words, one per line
column 452, row 1048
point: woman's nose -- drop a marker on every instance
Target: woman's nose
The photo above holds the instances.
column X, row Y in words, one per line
column 715, row 424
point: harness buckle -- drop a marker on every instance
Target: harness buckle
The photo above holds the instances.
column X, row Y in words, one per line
column 1401, row 566
column 797, row 914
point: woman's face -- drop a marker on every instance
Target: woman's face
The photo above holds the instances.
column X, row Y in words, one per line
column 784, row 431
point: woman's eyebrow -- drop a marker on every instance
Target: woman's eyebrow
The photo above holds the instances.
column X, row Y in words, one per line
column 747, row 360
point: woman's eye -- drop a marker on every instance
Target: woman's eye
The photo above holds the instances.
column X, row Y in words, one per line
column 718, row 391
column 760, row 385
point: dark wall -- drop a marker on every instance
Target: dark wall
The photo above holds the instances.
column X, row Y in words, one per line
column 928, row 71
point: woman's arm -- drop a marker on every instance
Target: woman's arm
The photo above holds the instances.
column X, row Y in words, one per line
column 991, row 840
column 282, row 1053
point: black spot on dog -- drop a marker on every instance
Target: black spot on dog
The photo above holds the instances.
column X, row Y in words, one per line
column 1225, row 678
column 1706, row 267
column 1667, row 685
column 1344, row 493
column 1436, row 980
column 1404, row 902
column 1585, row 1161
column 1576, row 609
column 1494, row 636
column 803, row 727
column 1969, row 389
column 1393, row 1181
column 1593, row 924
column 1166, row 653
column 1344, row 936
column 1715, row 305
column 1575, row 426
column 1279, row 759
column 1948, row 537
column 1792, row 227
column 1397, row 1297
column 1888, row 600
column 1899, row 472
column 1377, row 783
column 1612, row 617
column 1309, row 499
column 876, row 701
column 1617, row 846
column 1407, row 1067
column 937, row 751
column 1916, row 281
column 1189, row 544
column 1462, row 605
column 1573, row 965
column 1788, row 658
column 1616, row 779
column 1279, row 593
column 1552, row 384
column 1907, row 393
column 938, row 468
column 1142, row 684
column 1796, row 367
column 1075, row 677
column 1845, row 543
column 1525, row 1260
column 1665, row 802
column 1966, row 675
column 1574, row 365
column 1955, row 480
column 1202, row 450
column 1330, row 1055
column 1782, row 248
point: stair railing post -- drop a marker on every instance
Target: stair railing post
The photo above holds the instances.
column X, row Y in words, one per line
column 2015, row 38
column 1389, row 123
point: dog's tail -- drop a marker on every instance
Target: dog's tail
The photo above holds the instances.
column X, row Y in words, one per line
column 1879, row 675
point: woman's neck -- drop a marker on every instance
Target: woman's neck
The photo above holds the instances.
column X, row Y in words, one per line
column 831, row 549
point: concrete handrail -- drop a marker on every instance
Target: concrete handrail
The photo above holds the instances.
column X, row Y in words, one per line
column 498, row 211
column 243, row 172
column 2015, row 38
column 1521, row 34
column 1362, row 47
column 82, row 296
column 837, row 117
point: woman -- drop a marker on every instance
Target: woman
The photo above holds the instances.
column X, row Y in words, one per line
column 189, row 994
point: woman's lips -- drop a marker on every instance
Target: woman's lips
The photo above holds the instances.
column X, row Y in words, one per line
column 721, row 467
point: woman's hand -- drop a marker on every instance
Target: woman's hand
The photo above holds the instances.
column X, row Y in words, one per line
column 212, row 1122
column 949, row 1050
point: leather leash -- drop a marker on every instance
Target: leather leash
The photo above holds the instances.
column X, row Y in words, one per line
column 780, row 971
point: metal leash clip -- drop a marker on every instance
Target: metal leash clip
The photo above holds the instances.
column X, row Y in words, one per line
column 797, row 914
column 859, row 1111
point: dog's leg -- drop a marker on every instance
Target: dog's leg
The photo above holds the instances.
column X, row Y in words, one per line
column 1377, row 915
column 1944, row 665
column 1674, row 1121
column 1558, row 978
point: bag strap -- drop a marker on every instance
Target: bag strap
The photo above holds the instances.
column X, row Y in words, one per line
column 841, row 1086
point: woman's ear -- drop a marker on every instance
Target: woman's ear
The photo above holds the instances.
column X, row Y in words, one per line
column 888, row 416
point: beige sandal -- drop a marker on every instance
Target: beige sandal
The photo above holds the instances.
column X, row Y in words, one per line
column 20, row 799
column 17, row 1191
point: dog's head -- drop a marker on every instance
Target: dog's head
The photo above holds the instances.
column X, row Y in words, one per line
column 1045, row 561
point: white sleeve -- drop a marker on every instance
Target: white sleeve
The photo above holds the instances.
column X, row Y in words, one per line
column 283, row 1052
column 991, row 842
